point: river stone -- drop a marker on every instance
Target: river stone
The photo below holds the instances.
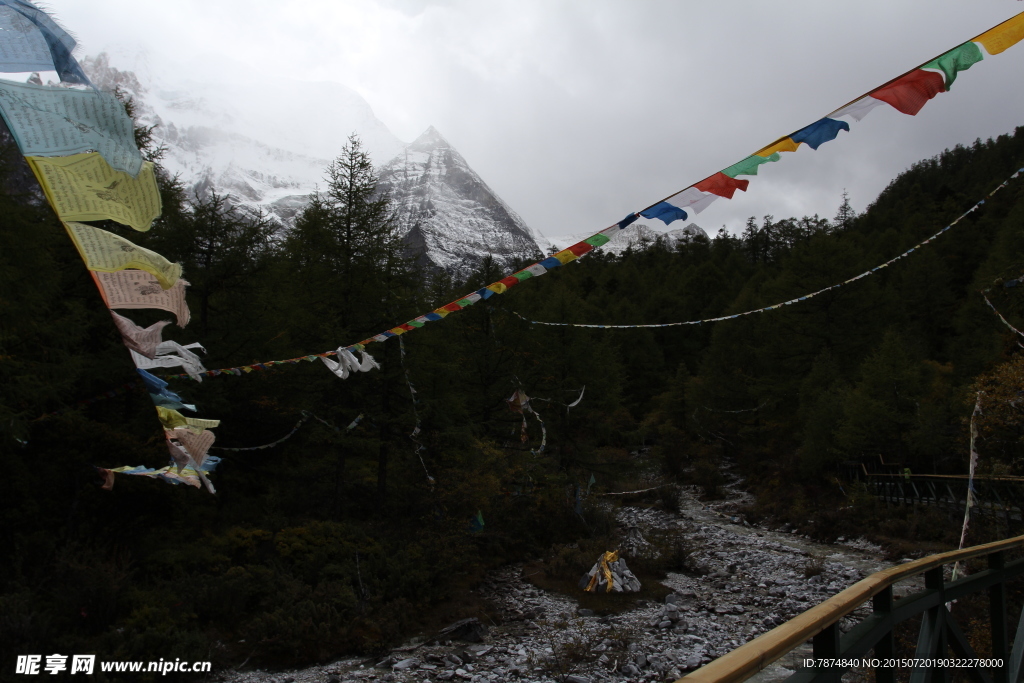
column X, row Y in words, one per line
column 406, row 664
column 630, row 669
column 470, row 630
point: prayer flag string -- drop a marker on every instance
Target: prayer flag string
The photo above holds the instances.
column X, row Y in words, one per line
column 266, row 365
column 420, row 448
column 80, row 144
column 996, row 311
column 805, row 297
column 906, row 93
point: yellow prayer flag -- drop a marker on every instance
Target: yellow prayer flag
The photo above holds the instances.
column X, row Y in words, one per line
column 1007, row 34
column 172, row 419
column 84, row 187
column 785, row 144
column 565, row 256
column 497, row 287
column 106, row 252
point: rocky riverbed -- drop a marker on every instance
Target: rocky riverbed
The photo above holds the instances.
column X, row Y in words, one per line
column 745, row 580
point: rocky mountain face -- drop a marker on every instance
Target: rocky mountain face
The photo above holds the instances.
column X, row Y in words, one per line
column 266, row 146
column 451, row 219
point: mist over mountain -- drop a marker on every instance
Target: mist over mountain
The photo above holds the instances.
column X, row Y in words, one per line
column 266, row 147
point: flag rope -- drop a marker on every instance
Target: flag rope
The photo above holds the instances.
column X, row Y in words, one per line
column 978, row 204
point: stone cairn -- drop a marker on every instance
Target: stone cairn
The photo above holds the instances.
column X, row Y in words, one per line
column 610, row 575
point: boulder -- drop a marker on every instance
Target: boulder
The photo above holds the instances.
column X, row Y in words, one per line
column 471, row 630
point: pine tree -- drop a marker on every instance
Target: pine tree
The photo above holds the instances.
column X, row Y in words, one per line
column 845, row 214
column 344, row 262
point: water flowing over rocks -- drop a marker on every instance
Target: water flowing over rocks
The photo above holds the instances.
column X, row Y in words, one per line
column 742, row 581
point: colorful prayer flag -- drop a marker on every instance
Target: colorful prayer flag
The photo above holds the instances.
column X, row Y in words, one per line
column 144, row 340
column 83, row 187
column 956, row 60
column 47, row 121
column 910, row 93
column 1003, row 36
column 819, row 132
column 663, row 211
column 24, row 25
column 134, row 289
column 722, row 185
column 106, row 252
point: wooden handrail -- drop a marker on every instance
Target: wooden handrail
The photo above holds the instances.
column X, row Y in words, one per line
column 748, row 659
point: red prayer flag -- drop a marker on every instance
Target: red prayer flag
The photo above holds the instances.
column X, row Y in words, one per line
column 581, row 248
column 910, row 93
column 452, row 307
column 108, row 478
column 510, row 281
column 722, row 185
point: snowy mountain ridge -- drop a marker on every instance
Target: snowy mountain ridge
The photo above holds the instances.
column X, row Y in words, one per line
column 448, row 213
column 266, row 146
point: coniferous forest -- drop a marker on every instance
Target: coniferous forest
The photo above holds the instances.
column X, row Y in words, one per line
column 347, row 539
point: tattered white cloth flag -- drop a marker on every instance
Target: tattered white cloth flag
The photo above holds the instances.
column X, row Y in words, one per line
column 347, row 362
column 143, row 340
column 196, row 445
column 171, row 354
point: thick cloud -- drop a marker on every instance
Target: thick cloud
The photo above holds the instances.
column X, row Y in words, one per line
column 578, row 112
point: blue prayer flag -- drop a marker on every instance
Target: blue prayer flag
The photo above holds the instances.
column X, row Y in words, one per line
column 820, row 132
column 627, row 220
column 23, row 26
column 664, row 212
column 52, row 122
column 551, row 262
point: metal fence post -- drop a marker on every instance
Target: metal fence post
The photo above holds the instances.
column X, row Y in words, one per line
column 997, row 613
column 886, row 646
column 826, row 646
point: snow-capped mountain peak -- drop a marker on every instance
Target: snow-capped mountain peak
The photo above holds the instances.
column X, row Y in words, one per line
column 267, row 146
column 451, row 218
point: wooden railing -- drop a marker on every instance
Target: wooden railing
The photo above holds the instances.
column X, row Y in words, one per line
column 873, row 636
column 1000, row 497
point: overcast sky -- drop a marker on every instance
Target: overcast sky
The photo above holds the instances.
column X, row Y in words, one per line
column 578, row 112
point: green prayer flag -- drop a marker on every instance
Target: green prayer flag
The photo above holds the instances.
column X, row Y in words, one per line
column 958, row 59
column 749, row 165
column 597, row 240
